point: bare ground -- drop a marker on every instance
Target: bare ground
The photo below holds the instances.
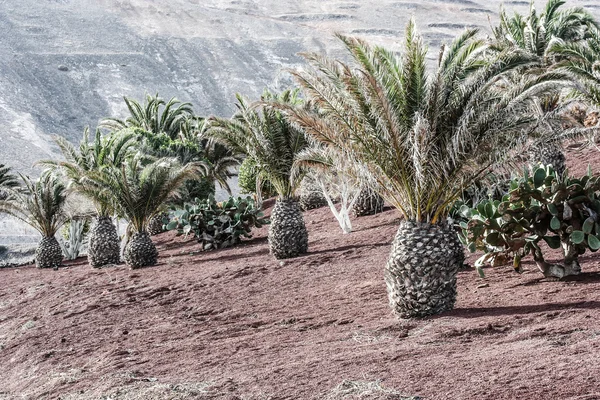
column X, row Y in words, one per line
column 237, row 324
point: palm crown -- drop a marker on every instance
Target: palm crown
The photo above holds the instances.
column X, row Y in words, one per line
column 155, row 115
column 423, row 137
column 264, row 133
column 137, row 189
column 581, row 61
column 536, row 33
column 91, row 156
column 40, row 204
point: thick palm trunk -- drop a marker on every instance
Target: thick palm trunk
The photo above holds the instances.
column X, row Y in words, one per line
column 288, row 236
column 155, row 225
column 104, row 245
column 548, row 153
column 421, row 272
column 48, row 253
column 368, row 202
column 311, row 196
column 140, row 251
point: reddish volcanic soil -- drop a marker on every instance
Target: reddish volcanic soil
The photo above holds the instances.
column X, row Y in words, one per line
column 237, row 324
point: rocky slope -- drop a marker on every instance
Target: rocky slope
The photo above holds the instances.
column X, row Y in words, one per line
column 65, row 64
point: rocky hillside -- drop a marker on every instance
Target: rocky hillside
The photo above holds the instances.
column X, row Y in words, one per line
column 65, row 64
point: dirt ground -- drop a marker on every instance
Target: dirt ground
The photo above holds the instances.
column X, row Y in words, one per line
column 238, row 324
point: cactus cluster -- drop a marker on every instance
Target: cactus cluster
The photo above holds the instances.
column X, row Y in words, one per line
column 217, row 225
column 559, row 210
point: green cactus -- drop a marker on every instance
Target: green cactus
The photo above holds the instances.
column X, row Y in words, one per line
column 217, row 225
column 559, row 210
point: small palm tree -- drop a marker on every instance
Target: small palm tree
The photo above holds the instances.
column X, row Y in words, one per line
column 41, row 205
column 424, row 138
column 264, row 134
column 7, row 181
column 79, row 163
column 137, row 190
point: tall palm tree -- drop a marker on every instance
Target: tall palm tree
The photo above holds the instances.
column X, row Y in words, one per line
column 7, row 181
column 79, row 163
column 137, row 190
column 41, row 205
column 537, row 34
column 424, row 137
column 264, row 134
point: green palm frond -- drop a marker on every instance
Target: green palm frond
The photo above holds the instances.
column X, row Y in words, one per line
column 7, row 179
column 581, row 62
column 137, row 189
column 155, row 116
column 40, row 203
column 536, row 33
column 423, row 137
column 90, row 156
column 263, row 133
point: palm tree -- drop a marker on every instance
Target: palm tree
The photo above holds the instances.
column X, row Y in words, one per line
column 137, row 190
column 581, row 61
column 104, row 243
column 155, row 115
column 7, row 181
column 537, row 34
column 41, row 205
column 424, row 138
column 264, row 134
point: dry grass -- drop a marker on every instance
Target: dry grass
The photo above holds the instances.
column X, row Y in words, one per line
column 365, row 390
column 149, row 391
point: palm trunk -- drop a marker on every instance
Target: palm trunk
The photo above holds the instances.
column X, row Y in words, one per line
column 421, row 271
column 48, row 253
column 288, row 236
column 368, row 202
column 140, row 251
column 311, row 195
column 548, row 153
column 104, row 244
column 155, row 225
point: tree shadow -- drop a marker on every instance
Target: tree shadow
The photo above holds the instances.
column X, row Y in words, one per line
column 342, row 249
column 518, row 310
column 584, row 277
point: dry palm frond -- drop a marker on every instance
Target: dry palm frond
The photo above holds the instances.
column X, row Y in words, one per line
column 423, row 137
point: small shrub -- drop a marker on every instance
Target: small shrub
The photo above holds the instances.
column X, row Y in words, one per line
column 217, row 225
column 559, row 210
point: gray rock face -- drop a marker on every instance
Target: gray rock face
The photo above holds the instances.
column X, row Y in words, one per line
column 65, row 64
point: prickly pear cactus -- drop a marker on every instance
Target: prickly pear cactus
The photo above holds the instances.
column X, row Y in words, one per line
column 559, row 210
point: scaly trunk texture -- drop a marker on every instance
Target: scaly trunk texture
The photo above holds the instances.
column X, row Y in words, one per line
column 311, row 196
column 155, row 225
column 288, row 236
column 421, row 272
column 548, row 153
column 140, row 251
column 48, row 253
column 368, row 202
column 104, row 245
